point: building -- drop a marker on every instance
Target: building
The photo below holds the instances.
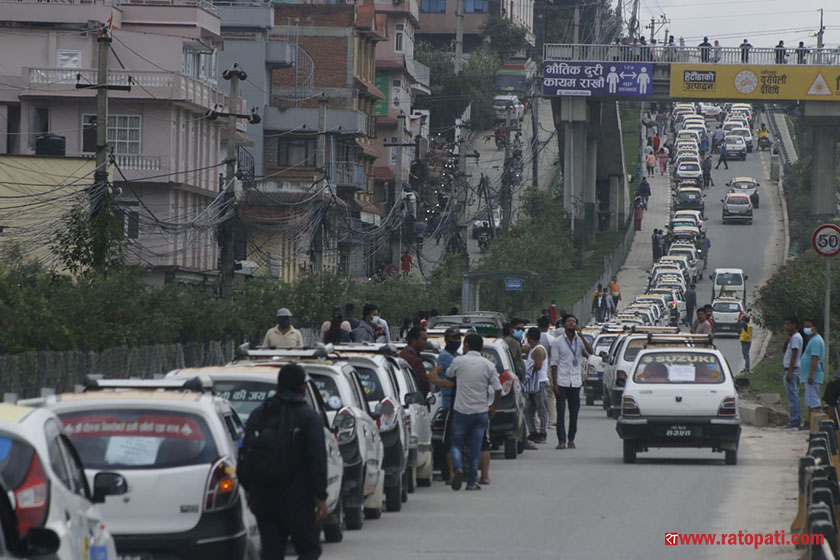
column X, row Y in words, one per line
column 165, row 149
column 438, row 19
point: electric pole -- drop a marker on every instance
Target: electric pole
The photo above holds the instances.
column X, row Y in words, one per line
column 596, row 40
column 652, row 28
column 459, row 35
column 821, row 31
column 576, row 26
column 505, row 195
column 398, row 186
column 535, row 140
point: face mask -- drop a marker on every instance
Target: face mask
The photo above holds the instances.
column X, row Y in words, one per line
column 452, row 347
column 808, row 331
column 375, row 320
column 518, row 334
column 284, row 322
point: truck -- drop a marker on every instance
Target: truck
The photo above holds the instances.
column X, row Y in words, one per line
column 516, row 77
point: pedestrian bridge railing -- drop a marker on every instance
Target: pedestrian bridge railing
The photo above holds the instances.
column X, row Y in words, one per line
column 665, row 54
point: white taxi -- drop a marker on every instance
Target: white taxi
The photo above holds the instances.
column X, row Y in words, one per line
column 727, row 312
column 680, row 397
column 46, row 484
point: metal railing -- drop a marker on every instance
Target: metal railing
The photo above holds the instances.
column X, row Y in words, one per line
column 668, row 54
column 137, row 162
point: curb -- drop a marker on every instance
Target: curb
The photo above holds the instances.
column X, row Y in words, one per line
column 753, row 414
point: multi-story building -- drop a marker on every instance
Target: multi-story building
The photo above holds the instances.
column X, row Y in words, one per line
column 437, row 19
column 165, row 149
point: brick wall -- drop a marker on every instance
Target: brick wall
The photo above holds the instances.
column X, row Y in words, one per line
column 316, row 15
column 329, row 55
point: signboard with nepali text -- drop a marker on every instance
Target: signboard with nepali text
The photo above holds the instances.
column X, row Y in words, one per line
column 597, row 79
column 734, row 81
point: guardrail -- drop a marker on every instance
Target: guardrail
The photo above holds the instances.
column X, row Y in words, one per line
column 668, row 54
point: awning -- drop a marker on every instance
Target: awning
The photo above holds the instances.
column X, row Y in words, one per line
column 367, row 149
column 383, row 173
column 368, row 88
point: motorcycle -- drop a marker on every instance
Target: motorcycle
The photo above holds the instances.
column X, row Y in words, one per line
column 500, row 141
column 764, row 143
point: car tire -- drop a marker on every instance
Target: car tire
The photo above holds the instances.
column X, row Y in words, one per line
column 510, row 448
column 354, row 518
column 522, row 438
column 371, row 513
column 629, row 448
column 590, row 400
column 410, row 480
column 730, row 456
column 334, row 531
column 393, row 496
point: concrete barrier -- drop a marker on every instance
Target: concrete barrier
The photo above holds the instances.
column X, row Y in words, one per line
column 754, row 414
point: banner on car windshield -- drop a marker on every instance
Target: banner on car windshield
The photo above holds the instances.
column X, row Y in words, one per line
column 745, row 81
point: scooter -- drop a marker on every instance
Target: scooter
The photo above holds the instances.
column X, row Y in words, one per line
column 764, row 143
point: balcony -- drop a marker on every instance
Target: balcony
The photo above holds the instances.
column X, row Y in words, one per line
column 279, row 54
column 137, row 162
column 259, row 15
column 339, row 121
column 149, row 85
column 349, row 175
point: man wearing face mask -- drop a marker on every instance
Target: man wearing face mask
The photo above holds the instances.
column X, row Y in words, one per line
column 513, row 334
column 366, row 331
column 284, row 335
column 812, row 366
column 452, row 341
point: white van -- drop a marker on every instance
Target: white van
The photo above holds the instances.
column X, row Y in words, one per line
column 729, row 282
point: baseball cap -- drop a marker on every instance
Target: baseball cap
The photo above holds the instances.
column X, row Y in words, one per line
column 283, row 312
column 452, row 331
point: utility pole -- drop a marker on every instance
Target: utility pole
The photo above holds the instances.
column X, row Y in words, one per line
column 652, row 28
column 505, row 196
column 327, row 170
column 234, row 74
column 576, row 26
column 821, row 32
column 596, row 40
column 633, row 26
column 398, row 185
column 459, row 35
column 535, row 140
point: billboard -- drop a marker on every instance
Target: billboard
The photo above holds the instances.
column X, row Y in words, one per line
column 737, row 81
column 597, row 79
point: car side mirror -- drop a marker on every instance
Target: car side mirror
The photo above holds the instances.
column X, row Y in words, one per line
column 620, row 382
column 746, row 277
column 431, row 399
column 603, row 355
column 40, row 541
column 711, row 276
column 414, row 397
column 108, row 484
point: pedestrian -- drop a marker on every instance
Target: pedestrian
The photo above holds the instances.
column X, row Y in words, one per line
column 536, row 380
column 706, row 166
column 650, row 163
column 746, row 340
column 566, row 355
column 701, row 325
column 649, row 144
column 552, row 311
column 704, row 145
column 370, row 323
column 405, row 263
column 600, row 307
column 546, row 339
column 656, row 245
column 416, row 341
column 705, row 48
column 284, row 335
column 802, row 53
column 831, row 396
column 812, row 366
column 637, row 213
column 452, row 342
column 722, row 157
column 718, row 50
column 615, row 291
column 717, row 137
column 473, row 374
column 657, row 142
column 419, row 231
column 283, row 468
column 790, row 363
column 745, row 51
column 781, row 53
column 644, row 191
column 513, row 334
column 706, row 246
column 690, row 302
column 336, row 330
column 663, row 160
column 671, row 50
column 611, row 307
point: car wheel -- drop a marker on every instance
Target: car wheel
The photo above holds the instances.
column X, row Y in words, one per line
column 410, row 480
column 510, row 448
column 334, row 527
column 523, row 437
column 404, row 489
column 354, row 518
column 393, row 496
column 590, row 400
column 371, row 513
column 730, row 456
column 629, row 451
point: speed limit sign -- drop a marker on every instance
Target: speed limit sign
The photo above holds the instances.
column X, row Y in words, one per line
column 826, row 240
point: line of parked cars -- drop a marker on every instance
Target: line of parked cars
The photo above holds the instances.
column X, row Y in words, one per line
column 146, row 468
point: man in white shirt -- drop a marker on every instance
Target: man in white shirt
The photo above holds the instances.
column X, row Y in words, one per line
column 546, row 339
column 790, row 361
column 471, row 374
column 566, row 357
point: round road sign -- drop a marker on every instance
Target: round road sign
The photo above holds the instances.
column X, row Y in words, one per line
column 826, row 240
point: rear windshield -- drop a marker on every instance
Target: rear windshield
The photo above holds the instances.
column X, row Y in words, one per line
column 743, row 185
column 726, row 307
column 245, row 396
column 728, row 279
column 689, row 167
column 679, row 368
column 685, row 252
column 737, row 201
column 604, row 343
column 689, row 195
column 139, row 439
column 493, row 355
column 329, row 391
column 371, row 384
column 15, row 457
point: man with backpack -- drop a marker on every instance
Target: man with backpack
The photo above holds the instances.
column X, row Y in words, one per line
column 283, row 469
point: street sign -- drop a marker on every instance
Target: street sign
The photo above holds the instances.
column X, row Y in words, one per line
column 597, row 79
column 826, row 240
column 513, row 284
column 753, row 81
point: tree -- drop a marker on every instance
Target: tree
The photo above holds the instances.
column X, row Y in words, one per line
column 504, row 36
column 92, row 239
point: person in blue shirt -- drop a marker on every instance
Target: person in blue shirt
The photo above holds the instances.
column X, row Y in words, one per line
column 452, row 341
column 812, row 364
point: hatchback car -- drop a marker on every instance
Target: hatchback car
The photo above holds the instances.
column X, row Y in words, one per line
column 727, row 313
column 689, row 170
column 680, row 397
column 736, row 208
column 689, row 198
column 736, row 147
column 746, row 186
column 746, row 134
column 47, row 488
column 501, row 103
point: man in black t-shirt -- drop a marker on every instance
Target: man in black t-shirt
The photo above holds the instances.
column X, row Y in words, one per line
column 831, row 396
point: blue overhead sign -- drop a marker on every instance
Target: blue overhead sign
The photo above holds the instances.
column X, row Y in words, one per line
column 597, row 79
column 513, row 284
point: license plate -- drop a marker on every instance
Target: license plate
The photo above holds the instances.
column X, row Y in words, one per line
column 680, row 431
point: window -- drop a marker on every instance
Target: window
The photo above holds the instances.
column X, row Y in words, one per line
column 123, row 133
column 475, row 6
column 295, row 152
column 396, row 83
column 433, row 6
column 398, row 37
column 245, row 396
column 130, row 217
column 370, row 383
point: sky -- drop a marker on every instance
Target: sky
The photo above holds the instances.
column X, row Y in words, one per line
column 763, row 22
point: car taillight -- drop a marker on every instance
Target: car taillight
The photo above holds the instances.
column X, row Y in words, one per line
column 728, row 407
column 620, row 378
column 387, row 414
column 222, row 486
column 32, row 497
column 344, row 426
column 629, row 407
column 506, row 379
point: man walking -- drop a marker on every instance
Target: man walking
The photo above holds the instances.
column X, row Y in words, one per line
column 656, row 245
column 790, row 361
column 536, row 379
column 705, row 48
column 644, row 191
column 722, row 157
column 473, row 374
column 566, row 355
column 615, row 291
column 600, row 307
column 367, row 329
column 283, row 469
column 707, row 172
column 746, row 340
column 812, row 366
column 284, row 335
column 690, row 302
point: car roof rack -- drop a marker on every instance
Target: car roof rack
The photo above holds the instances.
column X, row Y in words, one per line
column 384, row 348
column 695, row 340
column 318, row 352
column 655, row 330
column 197, row 384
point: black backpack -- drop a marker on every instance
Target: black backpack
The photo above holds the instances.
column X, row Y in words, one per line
column 269, row 454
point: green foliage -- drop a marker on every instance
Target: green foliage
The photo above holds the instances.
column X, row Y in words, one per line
column 91, row 241
column 503, row 36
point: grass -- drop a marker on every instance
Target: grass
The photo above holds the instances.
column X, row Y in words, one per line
column 629, row 114
column 576, row 285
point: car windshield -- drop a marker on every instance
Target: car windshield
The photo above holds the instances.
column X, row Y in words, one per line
column 329, row 391
column 371, row 384
column 244, row 396
column 728, row 279
column 726, row 307
column 734, row 140
column 689, row 167
column 503, row 102
column 689, row 195
column 139, row 438
column 737, row 200
column 15, row 457
column 604, row 343
column 679, row 368
column 741, row 132
column 685, row 223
